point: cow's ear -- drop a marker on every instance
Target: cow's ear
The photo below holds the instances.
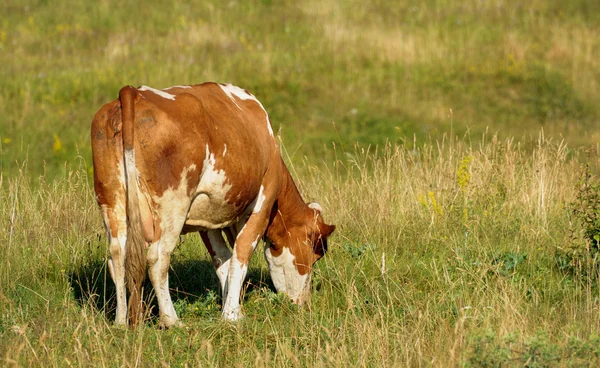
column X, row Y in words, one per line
column 326, row 230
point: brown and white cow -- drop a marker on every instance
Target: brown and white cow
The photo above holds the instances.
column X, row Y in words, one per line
column 198, row 158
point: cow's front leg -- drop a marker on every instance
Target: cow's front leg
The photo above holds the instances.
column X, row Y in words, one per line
column 245, row 243
column 220, row 253
column 238, row 267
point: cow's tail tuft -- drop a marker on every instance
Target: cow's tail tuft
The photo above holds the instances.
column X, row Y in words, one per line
column 135, row 246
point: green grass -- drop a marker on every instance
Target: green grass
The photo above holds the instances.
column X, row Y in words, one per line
column 450, row 254
column 342, row 72
column 449, row 251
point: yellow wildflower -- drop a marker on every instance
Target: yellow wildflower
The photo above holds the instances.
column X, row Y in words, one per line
column 462, row 174
column 437, row 209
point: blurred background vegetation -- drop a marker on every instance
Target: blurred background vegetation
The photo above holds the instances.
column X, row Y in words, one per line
column 328, row 72
column 455, row 247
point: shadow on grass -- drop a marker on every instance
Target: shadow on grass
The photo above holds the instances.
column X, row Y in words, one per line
column 189, row 281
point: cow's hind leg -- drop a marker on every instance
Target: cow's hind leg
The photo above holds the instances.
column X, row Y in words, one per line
column 159, row 258
column 116, row 228
column 220, row 253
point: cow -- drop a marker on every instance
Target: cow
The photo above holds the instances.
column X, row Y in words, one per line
column 198, row 158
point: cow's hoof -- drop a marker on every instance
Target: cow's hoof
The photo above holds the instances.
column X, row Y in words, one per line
column 120, row 324
column 233, row 316
column 168, row 322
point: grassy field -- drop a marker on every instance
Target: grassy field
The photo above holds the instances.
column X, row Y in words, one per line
column 469, row 251
column 451, row 254
column 342, row 71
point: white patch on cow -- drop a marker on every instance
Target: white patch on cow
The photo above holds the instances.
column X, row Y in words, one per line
column 121, row 175
column 221, row 258
column 120, row 210
column 315, row 206
column 285, row 275
column 164, row 89
column 174, row 203
column 255, row 242
column 224, row 149
column 228, row 91
column 210, row 209
column 231, row 90
column 172, row 207
column 212, row 180
column 130, row 163
column 260, row 199
column 277, row 274
column 237, row 274
column 162, row 94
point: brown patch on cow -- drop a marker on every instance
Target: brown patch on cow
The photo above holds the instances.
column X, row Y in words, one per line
column 157, row 229
column 108, row 149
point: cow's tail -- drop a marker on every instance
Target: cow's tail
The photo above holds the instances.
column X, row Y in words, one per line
column 135, row 246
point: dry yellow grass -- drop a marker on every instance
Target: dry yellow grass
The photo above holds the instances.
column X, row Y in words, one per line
column 449, row 251
column 417, row 273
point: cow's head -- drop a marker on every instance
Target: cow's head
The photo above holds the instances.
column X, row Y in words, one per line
column 294, row 245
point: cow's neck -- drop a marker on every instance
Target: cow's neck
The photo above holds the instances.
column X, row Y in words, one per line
column 290, row 202
column 289, row 212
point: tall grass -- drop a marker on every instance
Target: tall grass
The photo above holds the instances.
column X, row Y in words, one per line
column 448, row 251
column 445, row 255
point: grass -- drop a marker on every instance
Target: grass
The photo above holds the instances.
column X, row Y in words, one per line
column 449, row 251
column 342, row 71
column 449, row 254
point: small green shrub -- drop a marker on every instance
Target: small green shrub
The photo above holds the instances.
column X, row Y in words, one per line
column 581, row 255
column 507, row 262
column 205, row 306
column 488, row 351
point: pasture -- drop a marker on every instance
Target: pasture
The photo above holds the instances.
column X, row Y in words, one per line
column 448, row 141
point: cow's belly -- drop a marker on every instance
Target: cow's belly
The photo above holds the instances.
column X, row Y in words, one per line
column 210, row 212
